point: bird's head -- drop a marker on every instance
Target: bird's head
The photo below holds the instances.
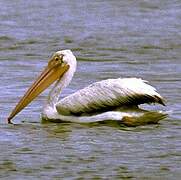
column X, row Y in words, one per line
column 57, row 67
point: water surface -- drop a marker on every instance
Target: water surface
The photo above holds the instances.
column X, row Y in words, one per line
column 110, row 39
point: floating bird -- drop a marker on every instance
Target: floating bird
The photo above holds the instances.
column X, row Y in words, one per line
column 104, row 100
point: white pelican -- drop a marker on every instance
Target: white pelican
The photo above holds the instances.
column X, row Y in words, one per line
column 104, row 100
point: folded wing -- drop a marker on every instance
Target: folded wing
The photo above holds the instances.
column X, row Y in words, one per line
column 109, row 94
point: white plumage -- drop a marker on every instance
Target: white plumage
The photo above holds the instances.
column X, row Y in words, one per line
column 108, row 95
column 105, row 100
column 99, row 101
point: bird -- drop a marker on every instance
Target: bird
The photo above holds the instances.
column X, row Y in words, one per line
column 111, row 99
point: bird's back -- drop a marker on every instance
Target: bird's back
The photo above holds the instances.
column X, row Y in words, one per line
column 107, row 95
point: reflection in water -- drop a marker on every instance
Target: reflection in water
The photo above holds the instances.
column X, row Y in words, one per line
column 111, row 39
column 149, row 117
column 131, row 118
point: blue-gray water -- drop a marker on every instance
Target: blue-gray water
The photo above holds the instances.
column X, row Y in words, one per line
column 110, row 39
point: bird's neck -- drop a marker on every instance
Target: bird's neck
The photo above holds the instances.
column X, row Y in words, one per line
column 54, row 93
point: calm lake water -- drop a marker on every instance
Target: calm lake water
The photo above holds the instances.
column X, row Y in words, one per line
column 110, row 39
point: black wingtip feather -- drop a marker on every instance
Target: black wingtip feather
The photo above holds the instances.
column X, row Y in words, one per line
column 141, row 99
column 160, row 100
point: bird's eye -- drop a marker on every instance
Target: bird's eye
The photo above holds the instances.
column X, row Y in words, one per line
column 56, row 59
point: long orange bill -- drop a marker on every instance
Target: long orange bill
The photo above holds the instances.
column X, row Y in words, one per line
column 50, row 74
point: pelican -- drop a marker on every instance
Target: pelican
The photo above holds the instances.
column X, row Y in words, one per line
column 104, row 100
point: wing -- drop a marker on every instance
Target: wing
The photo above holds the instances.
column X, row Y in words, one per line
column 109, row 94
